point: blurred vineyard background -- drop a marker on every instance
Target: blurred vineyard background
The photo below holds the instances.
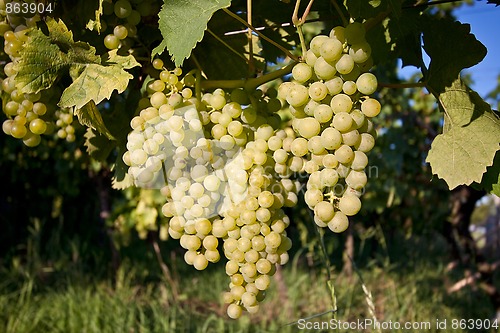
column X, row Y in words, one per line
column 78, row 256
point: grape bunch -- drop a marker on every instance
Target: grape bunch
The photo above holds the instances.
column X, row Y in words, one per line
column 29, row 115
column 214, row 161
column 124, row 16
column 331, row 109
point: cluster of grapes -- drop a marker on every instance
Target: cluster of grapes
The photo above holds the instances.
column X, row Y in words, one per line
column 30, row 115
column 214, row 160
column 124, row 16
column 331, row 108
column 225, row 165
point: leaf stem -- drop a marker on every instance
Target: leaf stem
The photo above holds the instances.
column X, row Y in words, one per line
column 339, row 11
column 267, row 39
column 227, row 45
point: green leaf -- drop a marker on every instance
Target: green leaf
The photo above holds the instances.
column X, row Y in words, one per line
column 451, row 47
column 470, row 138
column 98, row 146
column 96, row 24
column 367, row 9
column 183, row 23
column 40, row 63
column 90, row 116
column 98, row 81
column 44, row 58
column 491, row 179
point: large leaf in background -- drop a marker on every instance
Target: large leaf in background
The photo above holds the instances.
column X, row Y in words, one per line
column 183, row 23
column 470, row 139
column 451, row 47
column 371, row 8
column 97, row 82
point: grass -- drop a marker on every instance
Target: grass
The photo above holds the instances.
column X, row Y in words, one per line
column 132, row 301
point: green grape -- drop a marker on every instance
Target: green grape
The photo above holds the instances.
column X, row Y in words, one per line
column 318, row 91
column 38, row 126
column 302, row 72
column 349, row 87
column 345, row 64
column 331, row 50
column 122, row 8
column 324, row 70
column 338, row 33
column 297, row 96
column 331, row 138
column 360, row 52
column 339, row 222
column 111, row 42
column 344, row 154
column 354, row 33
column 17, row 130
column 367, row 83
column 120, row 32
column 324, row 211
column 370, row 107
column 349, row 205
column 316, row 43
column 341, row 103
column 342, row 121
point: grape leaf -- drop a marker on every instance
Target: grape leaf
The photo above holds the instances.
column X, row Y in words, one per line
column 98, row 81
column 90, row 116
column 451, row 47
column 183, row 23
column 491, row 179
column 470, row 139
column 98, row 146
column 40, row 63
column 371, row 8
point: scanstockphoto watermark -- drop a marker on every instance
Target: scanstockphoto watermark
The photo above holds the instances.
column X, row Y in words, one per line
column 362, row 324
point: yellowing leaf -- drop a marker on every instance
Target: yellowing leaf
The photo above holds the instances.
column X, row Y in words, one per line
column 97, row 82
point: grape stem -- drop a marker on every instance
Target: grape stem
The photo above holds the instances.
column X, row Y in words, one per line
column 267, row 39
column 299, row 22
column 248, row 84
column 251, row 64
column 339, row 11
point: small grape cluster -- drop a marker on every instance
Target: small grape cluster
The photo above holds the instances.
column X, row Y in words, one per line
column 30, row 115
column 331, row 108
column 124, row 16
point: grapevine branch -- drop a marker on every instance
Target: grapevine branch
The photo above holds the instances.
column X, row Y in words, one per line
column 249, row 84
column 267, row 39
